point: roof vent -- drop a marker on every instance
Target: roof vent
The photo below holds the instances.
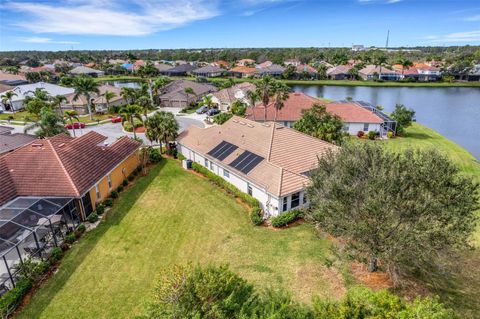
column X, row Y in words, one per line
column 37, row 145
column 61, row 145
column 235, row 121
column 105, row 144
column 242, row 123
column 266, row 124
column 250, row 125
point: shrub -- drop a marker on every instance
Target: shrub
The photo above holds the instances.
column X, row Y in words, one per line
column 12, row 298
column 108, row 202
column 127, row 126
column 70, row 238
column 57, row 254
column 93, row 217
column 100, row 209
column 154, row 156
column 256, row 216
column 125, row 182
column 360, row 134
column 130, row 177
column 82, row 228
column 286, row 218
column 181, row 157
column 371, row 135
column 114, row 194
column 390, row 134
column 64, row 246
column 120, row 188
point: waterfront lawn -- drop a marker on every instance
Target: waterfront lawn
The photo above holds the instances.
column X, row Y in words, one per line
column 173, row 216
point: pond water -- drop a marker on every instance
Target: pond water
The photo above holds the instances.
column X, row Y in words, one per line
column 453, row 112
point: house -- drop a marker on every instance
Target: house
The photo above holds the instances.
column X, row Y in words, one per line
column 289, row 113
column 162, row 67
column 293, row 62
column 265, row 160
column 273, row 70
column 246, row 62
column 474, row 73
column 180, row 70
column 137, row 64
column 307, row 70
column 11, row 141
column 222, row 64
column 22, row 91
column 209, row 71
column 371, row 72
column 12, row 79
column 4, row 87
column 84, row 70
column 339, row 72
column 224, row 98
column 127, row 66
column 174, row 95
column 83, row 169
column 406, row 73
column 243, row 71
column 80, row 105
column 355, row 117
column 427, row 73
column 264, row 65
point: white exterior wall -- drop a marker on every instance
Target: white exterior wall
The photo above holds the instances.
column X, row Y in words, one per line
column 354, row 128
column 270, row 204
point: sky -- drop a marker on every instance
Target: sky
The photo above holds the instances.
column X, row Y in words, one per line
column 163, row 24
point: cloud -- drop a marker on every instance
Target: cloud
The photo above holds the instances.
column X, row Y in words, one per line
column 117, row 18
column 468, row 37
column 45, row 41
column 473, row 18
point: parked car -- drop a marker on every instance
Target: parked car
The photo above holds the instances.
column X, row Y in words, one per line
column 212, row 112
column 75, row 125
column 117, row 119
column 202, row 109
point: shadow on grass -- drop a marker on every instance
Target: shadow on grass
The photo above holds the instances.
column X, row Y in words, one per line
column 75, row 256
column 418, row 135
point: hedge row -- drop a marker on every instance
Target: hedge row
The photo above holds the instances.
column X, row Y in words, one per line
column 256, row 215
column 11, row 299
column 286, row 218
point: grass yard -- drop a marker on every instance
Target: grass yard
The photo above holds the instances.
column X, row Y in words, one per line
column 173, row 216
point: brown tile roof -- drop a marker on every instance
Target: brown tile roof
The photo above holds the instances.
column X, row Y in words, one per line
column 306, row 68
column 244, row 70
column 353, row 113
column 291, row 111
column 5, row 76
column 287, row 153
column 62, row 165
column 4, row 87
column 228, row 95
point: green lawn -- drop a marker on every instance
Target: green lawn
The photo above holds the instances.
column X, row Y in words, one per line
column 173, row 216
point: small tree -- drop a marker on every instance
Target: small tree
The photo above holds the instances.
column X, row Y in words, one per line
column 71, row 115
column 50, row 124
column 319, row 123
column 108, row 95
column 222, row 118
column 9, row 96
column 253, row 98
column 411, row 211
column 404, row 118
column 238, row 108
column 129, row 113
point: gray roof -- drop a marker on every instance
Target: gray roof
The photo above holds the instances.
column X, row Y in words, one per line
column 23, row 91
column 208, row 69
column 10, row 142
column 84, row 70
column 178, row 87
column 274, row 68
column 182, row 68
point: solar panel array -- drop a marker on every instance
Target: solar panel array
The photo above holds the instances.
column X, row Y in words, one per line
column 222, row 150
column 246, row 162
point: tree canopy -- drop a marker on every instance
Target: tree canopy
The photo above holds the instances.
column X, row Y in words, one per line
column 404, row 118
column 319, row 123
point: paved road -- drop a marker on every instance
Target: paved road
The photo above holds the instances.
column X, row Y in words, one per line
column 114, row 130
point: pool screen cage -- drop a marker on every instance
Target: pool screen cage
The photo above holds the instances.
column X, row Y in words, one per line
column 30, row 227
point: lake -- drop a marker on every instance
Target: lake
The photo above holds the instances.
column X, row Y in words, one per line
column 453, row 112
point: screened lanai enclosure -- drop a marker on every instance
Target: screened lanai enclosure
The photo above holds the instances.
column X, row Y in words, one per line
column 30, row 227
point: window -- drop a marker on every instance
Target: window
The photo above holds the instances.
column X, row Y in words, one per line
column 226, row 173
column 249, row 189
column 97, row 191
column 365, row 127
column 206, row 163
column 211, row 165
column 109, row 179
column 304, row 198
column 285, row 204
column 346, row 127
column 295, row 200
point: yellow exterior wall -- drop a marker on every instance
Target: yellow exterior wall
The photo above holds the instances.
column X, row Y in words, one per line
column 118, row 174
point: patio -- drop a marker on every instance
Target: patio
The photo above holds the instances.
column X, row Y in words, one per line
column 30, row 227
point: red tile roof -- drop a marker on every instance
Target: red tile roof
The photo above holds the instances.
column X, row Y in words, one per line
column 62, row 165
column 353, row 113
column 244, row 70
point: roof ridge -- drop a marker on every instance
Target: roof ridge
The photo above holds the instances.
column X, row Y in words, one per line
column 281, row 181
column 271, row 142
column 63, row 167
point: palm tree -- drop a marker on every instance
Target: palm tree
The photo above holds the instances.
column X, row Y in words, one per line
column 128, row 94
column 207, row 101
column 158, row 85
column 264, row 91
column 9, row 95
column 405, row 63
column 85, row 86
column 50, row 124
column 169, row 128
column 147, row 71
column 380, row 59
column 108, row 95
column 281, row 91
column 252, row 97
column 56, row 102
column 153, row 129
column 129, row 113
column 189, row 91
column 71, row 115
column 144, row 102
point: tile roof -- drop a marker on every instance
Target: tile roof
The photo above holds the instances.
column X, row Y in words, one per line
column 5, row 87
column 177, row 89
column 5, row 76
column 353, row 113
column 339, row 69
column 84, row 70
column 243, row 70
column 371, row 69
column 228, row 95
column 291, row 111
column 306, row 68
column 62, row 165
column 28, row 89
column 208, row 69
column 10, row 142
column 287, row 154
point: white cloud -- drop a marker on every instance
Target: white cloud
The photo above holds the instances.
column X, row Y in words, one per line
column 45, row 41
column 467, row 37
column 139, row 17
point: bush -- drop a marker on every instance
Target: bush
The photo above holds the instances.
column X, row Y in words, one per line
column 93, row 217
column 113, row 194
column 222, row 118
column 100, row 209
column 256, row 216
column 130, row 177
column 57, row 254
column 371, row 135
column 286, row 218
column 82, row 228
column 12, row 298
column 108, row 202
column 360, row 134
column 390, row 134
column 181, row 157
column 154, row 156
column 127, row 126
column 120, row 188
column 125, row 182
column 70, row 238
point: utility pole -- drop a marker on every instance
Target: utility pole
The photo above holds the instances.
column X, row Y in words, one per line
column 388, row 37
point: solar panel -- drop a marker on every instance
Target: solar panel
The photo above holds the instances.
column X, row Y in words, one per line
column 222, row 150
column 246, row 162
